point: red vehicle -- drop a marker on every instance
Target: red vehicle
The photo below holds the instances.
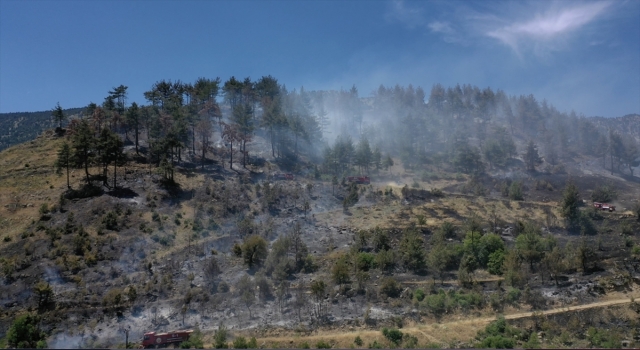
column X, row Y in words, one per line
column 153, row 340
column 604, row 206
column 361, row 180
column 280, row 176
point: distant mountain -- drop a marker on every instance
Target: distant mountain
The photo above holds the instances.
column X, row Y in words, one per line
column 628, row 124
column 21, row 127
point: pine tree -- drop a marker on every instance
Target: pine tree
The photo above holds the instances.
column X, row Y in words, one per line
column 532, row 157
column 82, row 143
column 570, row 203
column 58, row 115
column 64, row 160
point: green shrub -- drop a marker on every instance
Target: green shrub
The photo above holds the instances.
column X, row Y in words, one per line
column 240, row 343
column 321, row 344
column 24, row 333
column 515, row 191
column 304, row 345
column 419, row 294
column 604, row 193
column 365, row 261
column 394, row 335
column 513, row 295
column 602, row 338
column 498, row 335
column 358, row 341
column 220, row 337
column 495, row 263
column 376, row 345
column 110, row 221
column 436, row 303
column 390, row 287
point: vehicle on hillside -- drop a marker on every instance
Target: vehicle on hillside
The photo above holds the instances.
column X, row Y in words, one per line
column 604, row 206
column 360, row 180
column 281, row 176
column 160, row 340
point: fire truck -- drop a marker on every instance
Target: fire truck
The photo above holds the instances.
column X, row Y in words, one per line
column 360, row 180
column 604, row 206
column 280, row 176
column 159, row 340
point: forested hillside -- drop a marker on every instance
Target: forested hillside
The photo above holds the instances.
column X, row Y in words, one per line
column 260, row 216
column 21, row 127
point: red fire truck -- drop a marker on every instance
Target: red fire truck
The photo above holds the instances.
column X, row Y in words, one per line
column 281, row 176
column 361, row 180
column 155, row 340
column 604, row 206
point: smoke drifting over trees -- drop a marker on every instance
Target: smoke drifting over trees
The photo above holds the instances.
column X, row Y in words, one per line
column 467, row 128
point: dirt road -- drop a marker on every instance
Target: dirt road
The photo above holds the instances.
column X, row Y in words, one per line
column 440, row 333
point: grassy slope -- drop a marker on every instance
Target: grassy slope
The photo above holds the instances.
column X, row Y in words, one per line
column 30, row 187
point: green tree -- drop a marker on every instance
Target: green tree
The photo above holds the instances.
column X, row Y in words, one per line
column 134, row 119
column 493, row 153
column 83, row 143
column 340, row 271
column 394, row 335
column 531, row 156
column 529, row 245
column 45, row 295
column 111, row 147
column 24, row 333
column 58, row 115
column 363, row 156
column 220, row 337
column 515, row 191
column 467, row 159
column 64, row 160
column 570, row 204
column 254, row 251
column 412, row 251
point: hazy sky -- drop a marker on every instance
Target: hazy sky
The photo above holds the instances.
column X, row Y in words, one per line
column 578, row 55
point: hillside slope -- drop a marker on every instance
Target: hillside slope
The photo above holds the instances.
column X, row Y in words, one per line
column 16, row 128
column 158, row 256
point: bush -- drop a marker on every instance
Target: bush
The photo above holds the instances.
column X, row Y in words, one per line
column 602, row 338
column 254, row 250
column 110, row 221
column 195, row 341
column 419, row 294
column 240, row 343
column 24, row 333
column 515, row 191
column 498, row 335
column 393, row 335
column 321, row 344
column 604, row 193
column 496, row 261
column 513, row 295
column 358, row 341
column 375, row 345
column 390, row 287
column 436, row 303
column 220, row 337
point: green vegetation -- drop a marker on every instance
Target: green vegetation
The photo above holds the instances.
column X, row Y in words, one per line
column 24, row 333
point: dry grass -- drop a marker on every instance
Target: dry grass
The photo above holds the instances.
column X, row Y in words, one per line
column 28, row 180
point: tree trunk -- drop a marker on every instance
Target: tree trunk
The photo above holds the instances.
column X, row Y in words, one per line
column 204, row 149
column 137, row 132
column 231, row 155
column 115, row 168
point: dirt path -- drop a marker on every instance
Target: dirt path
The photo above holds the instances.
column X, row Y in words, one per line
column 441, row 333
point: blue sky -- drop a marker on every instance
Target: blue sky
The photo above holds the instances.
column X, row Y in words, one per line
column 583, row 56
